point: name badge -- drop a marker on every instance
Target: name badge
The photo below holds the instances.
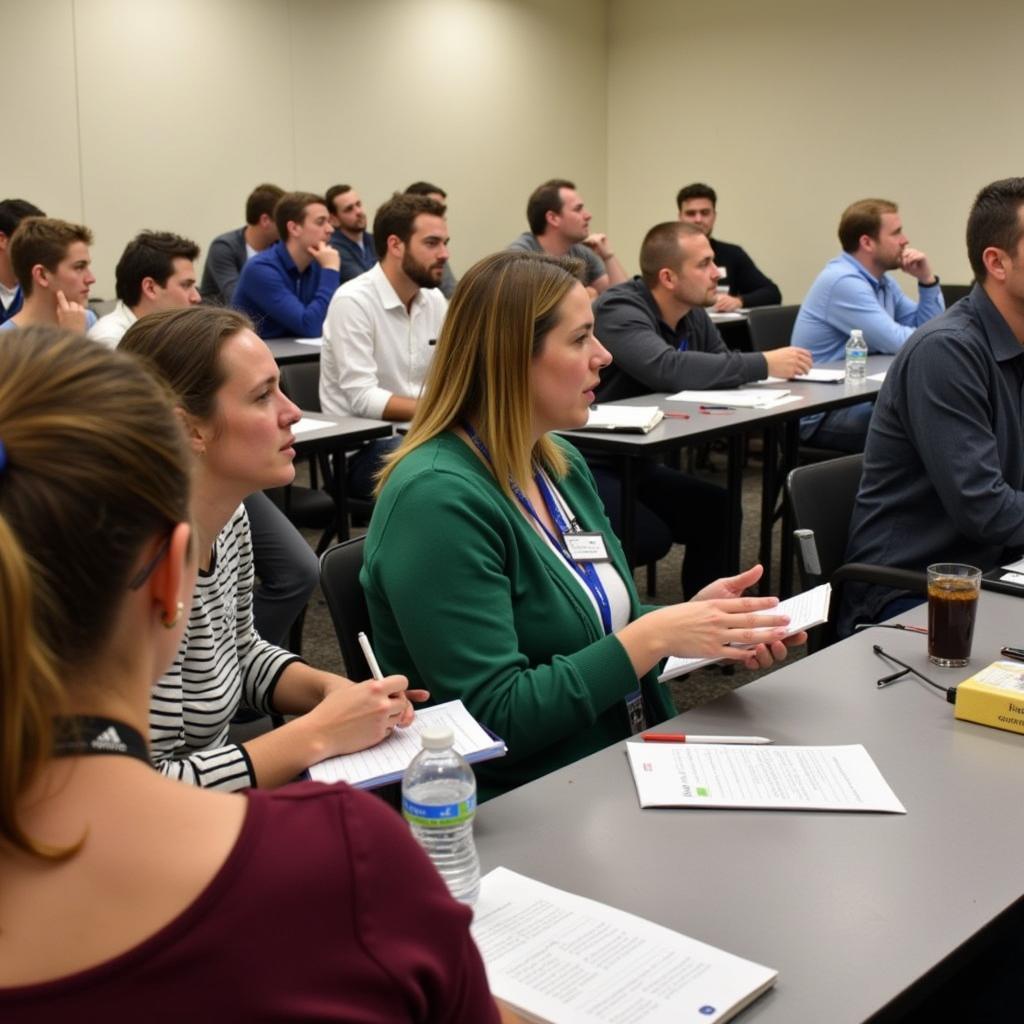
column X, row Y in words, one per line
column 635, row 710
column 586, row 547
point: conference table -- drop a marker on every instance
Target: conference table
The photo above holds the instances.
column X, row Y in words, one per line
column 293, row 350
column 863, row 915
column 780, row 427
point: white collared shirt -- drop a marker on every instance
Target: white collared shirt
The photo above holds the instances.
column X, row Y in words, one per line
column 110, row 329
column 374, row 349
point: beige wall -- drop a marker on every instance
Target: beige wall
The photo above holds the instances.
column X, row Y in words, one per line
column 793, row 108
column 165, row 114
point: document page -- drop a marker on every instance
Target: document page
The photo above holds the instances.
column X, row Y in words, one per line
column 804, row 610
column 738, row 398
column 308, row 423
column 560, row 957
column 388, row 760
column 841, row 778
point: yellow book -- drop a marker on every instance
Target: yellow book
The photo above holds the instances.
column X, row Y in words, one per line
column 994, row 696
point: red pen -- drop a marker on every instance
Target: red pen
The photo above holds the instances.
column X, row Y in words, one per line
column 677, row 415
column 678, row 737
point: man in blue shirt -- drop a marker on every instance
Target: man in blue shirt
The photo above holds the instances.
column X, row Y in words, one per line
column 350, row 237
column 12, row 213
column 855, row 291
column 286, row 289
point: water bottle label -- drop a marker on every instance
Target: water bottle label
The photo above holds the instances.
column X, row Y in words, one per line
column 438, row 815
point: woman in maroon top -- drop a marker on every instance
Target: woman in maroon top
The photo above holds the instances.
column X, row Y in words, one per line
column 123, row 894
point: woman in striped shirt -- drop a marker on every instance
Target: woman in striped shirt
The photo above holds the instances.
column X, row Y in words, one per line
column 238, row 424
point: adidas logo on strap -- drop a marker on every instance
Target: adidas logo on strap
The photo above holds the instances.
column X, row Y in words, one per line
column 109, row 740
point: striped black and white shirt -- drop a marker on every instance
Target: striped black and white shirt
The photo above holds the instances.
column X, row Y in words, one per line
column 222, row 664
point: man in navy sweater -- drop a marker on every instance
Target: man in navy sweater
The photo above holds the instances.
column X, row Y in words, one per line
column 740, row 284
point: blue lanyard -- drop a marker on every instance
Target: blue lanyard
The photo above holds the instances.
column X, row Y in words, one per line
column 585, row 571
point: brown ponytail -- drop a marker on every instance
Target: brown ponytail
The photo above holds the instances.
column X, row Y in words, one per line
column 94, row 467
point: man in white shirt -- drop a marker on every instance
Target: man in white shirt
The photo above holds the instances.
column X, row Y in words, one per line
column 381, row 327
column 156, row 271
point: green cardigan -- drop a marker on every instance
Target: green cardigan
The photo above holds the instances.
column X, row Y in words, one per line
column 468, row 602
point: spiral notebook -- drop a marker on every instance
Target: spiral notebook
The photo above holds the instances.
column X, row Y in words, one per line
column 387, row 761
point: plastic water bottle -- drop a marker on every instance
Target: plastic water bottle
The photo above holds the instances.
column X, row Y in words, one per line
column 856, row 358
column 438, row 802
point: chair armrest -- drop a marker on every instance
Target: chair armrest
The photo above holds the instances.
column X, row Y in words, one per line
column 882, row 576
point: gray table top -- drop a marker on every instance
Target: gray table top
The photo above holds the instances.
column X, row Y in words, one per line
column 341, row 429
column 851, row 909
column 673, row 433
column 288, row 350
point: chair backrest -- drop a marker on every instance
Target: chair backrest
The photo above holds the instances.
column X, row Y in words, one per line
column 301, row 383
column 339, row 580
column 771, row 326
column 954, row 292
column 821, row 496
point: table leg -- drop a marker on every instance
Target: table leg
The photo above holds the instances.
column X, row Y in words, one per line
column 790, row 456
column 769, row 490
column 734, row 484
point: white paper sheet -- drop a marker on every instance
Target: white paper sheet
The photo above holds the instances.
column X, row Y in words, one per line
column 841, row 778
column 307, row 423
column 804, row 610
column 737, row 398
column 877, row 376
column 560, row 957
column 813, row 376
column 315, row 342
column 394, row 754
column 1017, row 566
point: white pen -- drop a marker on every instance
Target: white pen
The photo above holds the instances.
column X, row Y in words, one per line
column 678, row 737
column 371, row 658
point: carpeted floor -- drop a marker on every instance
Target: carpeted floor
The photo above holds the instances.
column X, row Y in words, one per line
column 320, row 647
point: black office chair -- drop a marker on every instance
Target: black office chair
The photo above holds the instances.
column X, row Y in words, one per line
column 339, row 581
column 301, row 383
column 822, row 497
column 954, row 292
column 771, row 326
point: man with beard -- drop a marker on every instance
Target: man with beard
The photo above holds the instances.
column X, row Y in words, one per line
column 353, row 242
column 854, row 291
column 285, row 289
column 560, row 226
column 381, row 327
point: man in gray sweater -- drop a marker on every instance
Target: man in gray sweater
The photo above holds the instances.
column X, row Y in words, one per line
column 659, row 334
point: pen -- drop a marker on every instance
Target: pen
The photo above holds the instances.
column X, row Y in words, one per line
column 677, row 415
column 678, row 737
column 1017, row 653
column 371, row 659
column 715, row 408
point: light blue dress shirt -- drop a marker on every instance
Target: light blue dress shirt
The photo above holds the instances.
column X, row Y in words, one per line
column 845, row 296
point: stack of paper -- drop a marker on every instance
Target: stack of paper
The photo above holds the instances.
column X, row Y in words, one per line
column 739, row 398
column 840, row 778
column 805, row 611
column 387, row 761
column 562, row 958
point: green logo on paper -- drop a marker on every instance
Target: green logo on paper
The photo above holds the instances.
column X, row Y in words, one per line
column 702, row 791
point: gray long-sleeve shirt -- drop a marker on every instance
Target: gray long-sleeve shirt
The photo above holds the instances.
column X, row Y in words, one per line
column 944, row 462
column 647, row 354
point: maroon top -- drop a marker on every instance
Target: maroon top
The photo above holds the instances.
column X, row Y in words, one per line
column 326, row 909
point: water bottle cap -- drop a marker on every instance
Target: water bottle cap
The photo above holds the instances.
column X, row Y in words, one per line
column 437, row 737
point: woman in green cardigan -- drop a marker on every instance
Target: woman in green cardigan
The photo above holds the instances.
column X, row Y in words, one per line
column 491, row 572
